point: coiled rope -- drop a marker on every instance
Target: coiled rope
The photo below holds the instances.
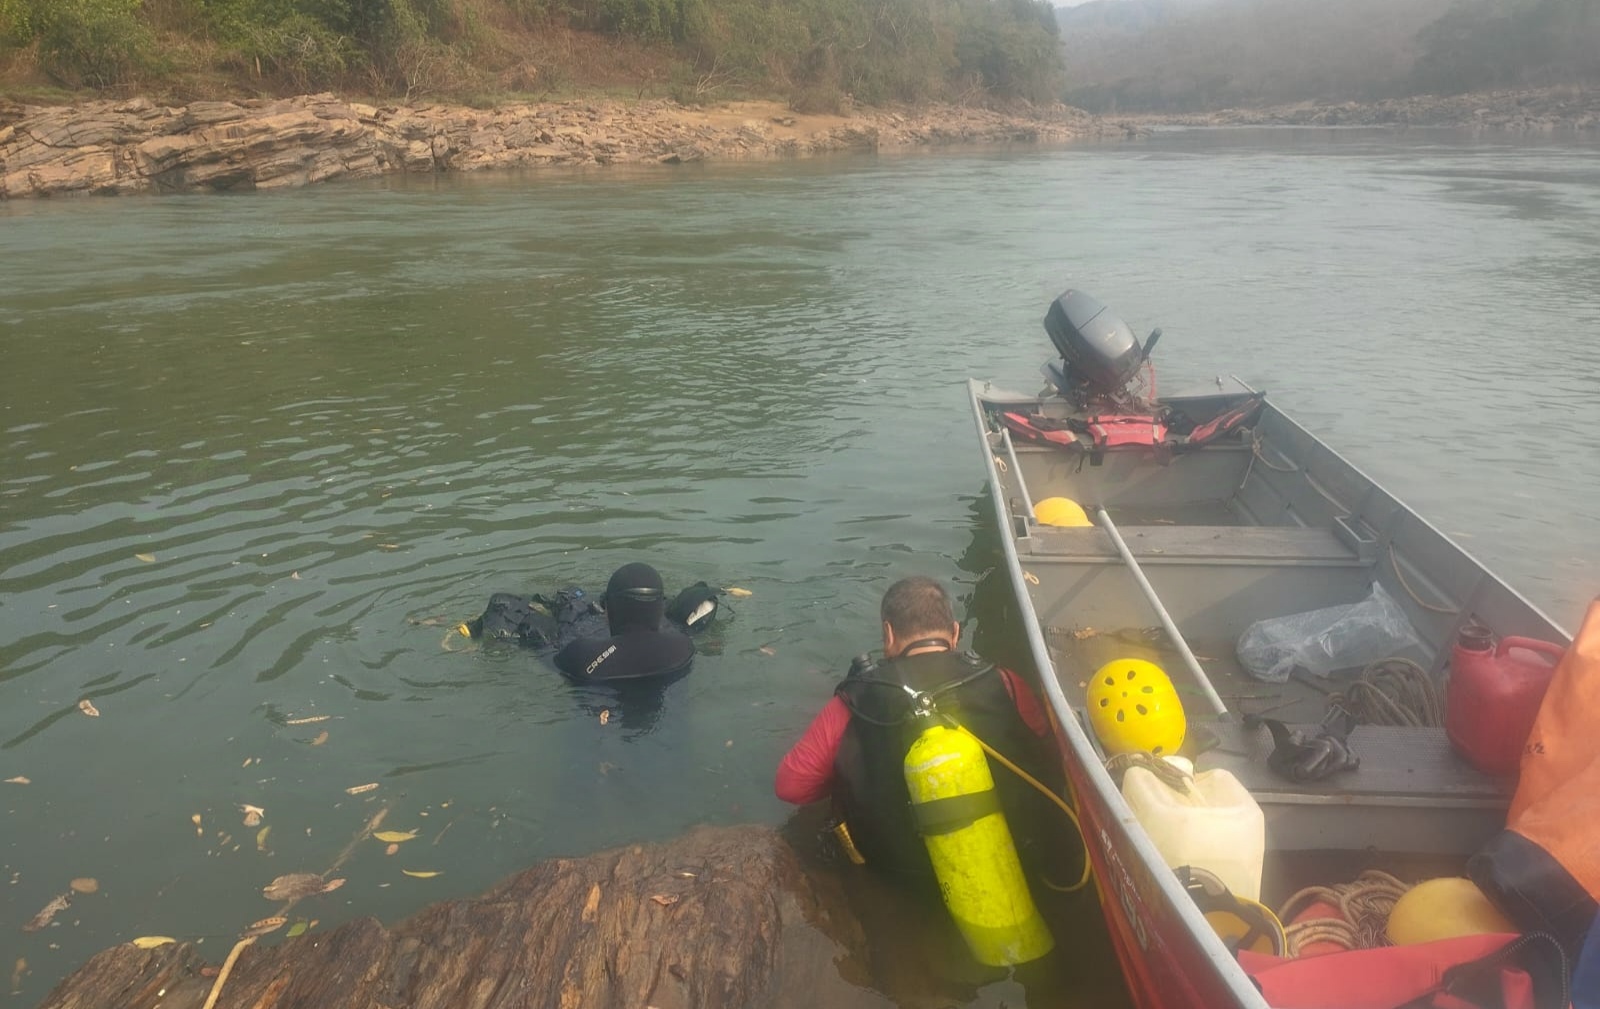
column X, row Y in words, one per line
column 1392, row 692
column 1165, row 772
column 1364, row 905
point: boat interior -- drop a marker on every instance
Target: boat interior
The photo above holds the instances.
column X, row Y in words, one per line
column 1264, row 523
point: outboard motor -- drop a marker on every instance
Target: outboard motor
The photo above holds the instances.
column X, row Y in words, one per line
column 1099, row 352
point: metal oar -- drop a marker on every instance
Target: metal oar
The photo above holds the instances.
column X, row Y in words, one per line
column 1171, row 628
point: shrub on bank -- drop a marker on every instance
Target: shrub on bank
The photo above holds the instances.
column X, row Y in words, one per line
column 82, row 43
column 817, row 51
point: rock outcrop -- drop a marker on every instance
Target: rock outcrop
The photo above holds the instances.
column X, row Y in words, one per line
column 139, row 147
column 722, row 918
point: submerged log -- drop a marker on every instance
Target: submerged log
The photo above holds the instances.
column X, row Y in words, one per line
column 721, row 917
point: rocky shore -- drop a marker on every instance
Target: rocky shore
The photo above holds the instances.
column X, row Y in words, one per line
column 1546, row 110
column 138, row 146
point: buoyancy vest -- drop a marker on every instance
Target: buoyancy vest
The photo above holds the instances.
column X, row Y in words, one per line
column 1503, row 971
column 869, row 777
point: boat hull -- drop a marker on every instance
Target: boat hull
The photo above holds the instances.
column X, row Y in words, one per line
column 1333, row 535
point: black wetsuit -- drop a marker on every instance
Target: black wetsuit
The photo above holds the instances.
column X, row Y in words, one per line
column 638, row 643
column 635, row 654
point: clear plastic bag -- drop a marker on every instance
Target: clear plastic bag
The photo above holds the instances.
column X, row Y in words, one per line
column 1320, row 641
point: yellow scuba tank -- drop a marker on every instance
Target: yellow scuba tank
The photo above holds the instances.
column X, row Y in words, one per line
column 959, row 817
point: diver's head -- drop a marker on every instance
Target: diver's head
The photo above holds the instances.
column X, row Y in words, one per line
column 916, row 614
column 635, row 598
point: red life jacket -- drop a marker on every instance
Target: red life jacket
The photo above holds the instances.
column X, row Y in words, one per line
column 1105, row 430
column 1503, row 971
column 1216, row 427
column 1036, row 428
column 1114, row 430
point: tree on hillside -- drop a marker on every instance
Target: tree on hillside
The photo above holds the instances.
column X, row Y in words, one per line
column 1494, row 43
column 1174, row 55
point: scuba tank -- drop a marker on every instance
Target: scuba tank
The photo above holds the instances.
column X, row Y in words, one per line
column 974, row 857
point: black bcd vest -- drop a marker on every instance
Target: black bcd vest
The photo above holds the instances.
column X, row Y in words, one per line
column 869, row 768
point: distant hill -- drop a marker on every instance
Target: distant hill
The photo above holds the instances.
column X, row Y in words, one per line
column 1193, row 55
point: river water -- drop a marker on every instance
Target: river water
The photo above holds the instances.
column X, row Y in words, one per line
column 260, row 451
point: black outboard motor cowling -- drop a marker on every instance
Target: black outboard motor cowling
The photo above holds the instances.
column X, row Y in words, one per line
column 1099, row 348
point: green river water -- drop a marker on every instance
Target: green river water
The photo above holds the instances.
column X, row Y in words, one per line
column 254, row 445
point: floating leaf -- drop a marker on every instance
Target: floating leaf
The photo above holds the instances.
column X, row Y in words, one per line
column 358, row 789
column 266, row 925
column 605, row 715
column 298, row 928
column 147, row 558
column 419, row 874
column 293, row 886
column 332, row 885
column 665, row 899
column 57, row 904
column 252, row 814
column 322, row 737
column 391, row 849
column 309, row 719
column 152, row 941
column 87, row 707
column 85, row 884
column 261, row 838
column 395, row 836
column 738, row 593
column 18, row 780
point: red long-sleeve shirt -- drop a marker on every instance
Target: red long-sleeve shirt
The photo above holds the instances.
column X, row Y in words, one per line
column 806, row 772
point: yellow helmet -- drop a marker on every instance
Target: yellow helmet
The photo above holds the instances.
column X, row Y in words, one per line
column 1133, row 706
column 1060, row 511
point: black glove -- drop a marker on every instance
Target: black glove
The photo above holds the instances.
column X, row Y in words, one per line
column 1301, row 756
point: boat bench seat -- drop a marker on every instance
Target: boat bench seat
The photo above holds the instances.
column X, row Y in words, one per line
column 1412, row 793
column 1178, row 544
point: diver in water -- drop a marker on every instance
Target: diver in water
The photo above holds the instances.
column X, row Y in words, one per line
column 630, row 634
column 638, row 646
column 854, row 750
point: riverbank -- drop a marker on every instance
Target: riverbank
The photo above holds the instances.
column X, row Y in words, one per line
column 1536, row 110
column 137, row 146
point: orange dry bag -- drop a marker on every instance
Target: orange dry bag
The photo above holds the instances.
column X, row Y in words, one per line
column 1544, row 870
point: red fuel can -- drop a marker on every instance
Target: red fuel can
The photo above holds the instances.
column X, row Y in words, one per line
column 1494, row 696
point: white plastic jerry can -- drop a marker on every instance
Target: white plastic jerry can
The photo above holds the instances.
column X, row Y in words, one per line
column 1214, row 824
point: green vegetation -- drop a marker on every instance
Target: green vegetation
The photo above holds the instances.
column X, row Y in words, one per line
column 1193, row 55
column 1482, row 44
column 819, row 54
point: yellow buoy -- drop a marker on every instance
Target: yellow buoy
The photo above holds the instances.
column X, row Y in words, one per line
column 952, row 794
column 1444, row 909
column 1063, row 512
